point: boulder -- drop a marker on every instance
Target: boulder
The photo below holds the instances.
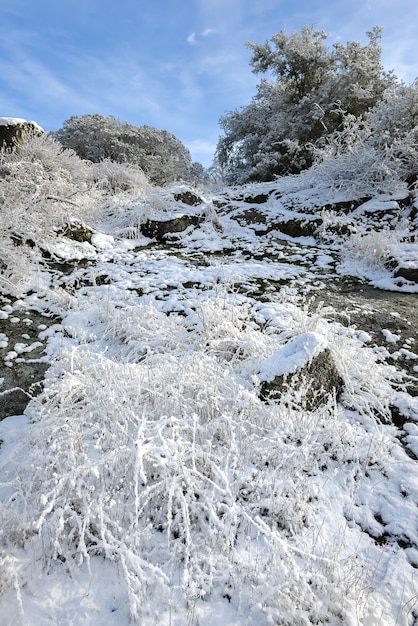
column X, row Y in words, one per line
column 306, row 364
column 77, row 232
column 160, row 229
column 409, row 273
column 404, row 261
column 188, row 197
column 13, row 129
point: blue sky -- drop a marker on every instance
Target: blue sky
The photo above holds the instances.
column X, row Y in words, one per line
column 176, row 65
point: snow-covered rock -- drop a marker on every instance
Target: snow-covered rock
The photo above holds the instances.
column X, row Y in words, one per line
column 306, row 362
column 13, row 128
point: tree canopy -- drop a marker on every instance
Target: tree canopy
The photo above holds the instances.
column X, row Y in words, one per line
column 307, row 90
column 160, row 155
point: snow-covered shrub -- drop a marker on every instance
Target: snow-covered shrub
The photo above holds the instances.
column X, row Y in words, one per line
column 349, row 161
column 42, row 184
column 377, row 153
column 294, row 110
column 150, row 447
column 35, row 177
column 115, row 177
column 374, row 247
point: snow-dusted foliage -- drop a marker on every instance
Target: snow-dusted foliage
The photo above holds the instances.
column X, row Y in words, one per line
column 379, row 152
column 301, row 104
column 161, row 156
column 374, row 248
column 212, row 441
column 151, row 449
column 44, row 186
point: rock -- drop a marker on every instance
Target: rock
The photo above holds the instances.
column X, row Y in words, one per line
column 24, row 383
column 12, row 130
column 188, row 197
column 22, row 365
column 409, row 273
column 345, row 206
column 297, row 227
column 77, row 232
column 404, row 261
column 306, row 363
column 158, row 230
column 260, row 198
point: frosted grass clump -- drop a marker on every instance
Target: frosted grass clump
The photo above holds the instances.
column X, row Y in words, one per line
column 374, row 248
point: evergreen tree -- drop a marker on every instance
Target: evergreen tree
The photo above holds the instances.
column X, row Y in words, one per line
column 308, row 90
column 160, row 155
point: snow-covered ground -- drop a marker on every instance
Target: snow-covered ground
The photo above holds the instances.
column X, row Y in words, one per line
column 149, row 482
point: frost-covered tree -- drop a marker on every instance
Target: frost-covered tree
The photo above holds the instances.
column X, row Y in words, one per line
column 301, row 101
column 161, row 156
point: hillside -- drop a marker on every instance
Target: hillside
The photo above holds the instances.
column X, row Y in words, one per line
column 221, row 388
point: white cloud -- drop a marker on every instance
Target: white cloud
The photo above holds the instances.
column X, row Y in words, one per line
column 191, row 39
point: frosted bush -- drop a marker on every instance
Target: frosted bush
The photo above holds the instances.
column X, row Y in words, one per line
column 378, row 152
column 41, row 181
column 19, row 266
column 374, row 248
column 142, row 462
column 53, row 158
column 354, row 164
column 113, row 177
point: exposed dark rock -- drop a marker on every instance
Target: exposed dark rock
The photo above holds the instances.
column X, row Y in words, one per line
column 21, row 374
column 12, row 131
column 260, row 198
column 220, row 204
column 160, row 229
column 77, row 232
column 188, row 197
column 346, row 206
column 320, row 377
column 23, row 383
column 339, row 229
column 404, row 261
column 409, row 273
column 297, row 227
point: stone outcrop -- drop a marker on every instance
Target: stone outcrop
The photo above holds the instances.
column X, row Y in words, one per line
column 12, row 130
column 77, row 232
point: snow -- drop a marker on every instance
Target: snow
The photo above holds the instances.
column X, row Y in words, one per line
column 389, row 336
column 7, row 121
column 17, row 121
column 149, row 483
column 293, row 356
column 101, row 241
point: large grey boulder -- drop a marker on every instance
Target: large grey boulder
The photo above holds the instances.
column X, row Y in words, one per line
column 188, row 197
